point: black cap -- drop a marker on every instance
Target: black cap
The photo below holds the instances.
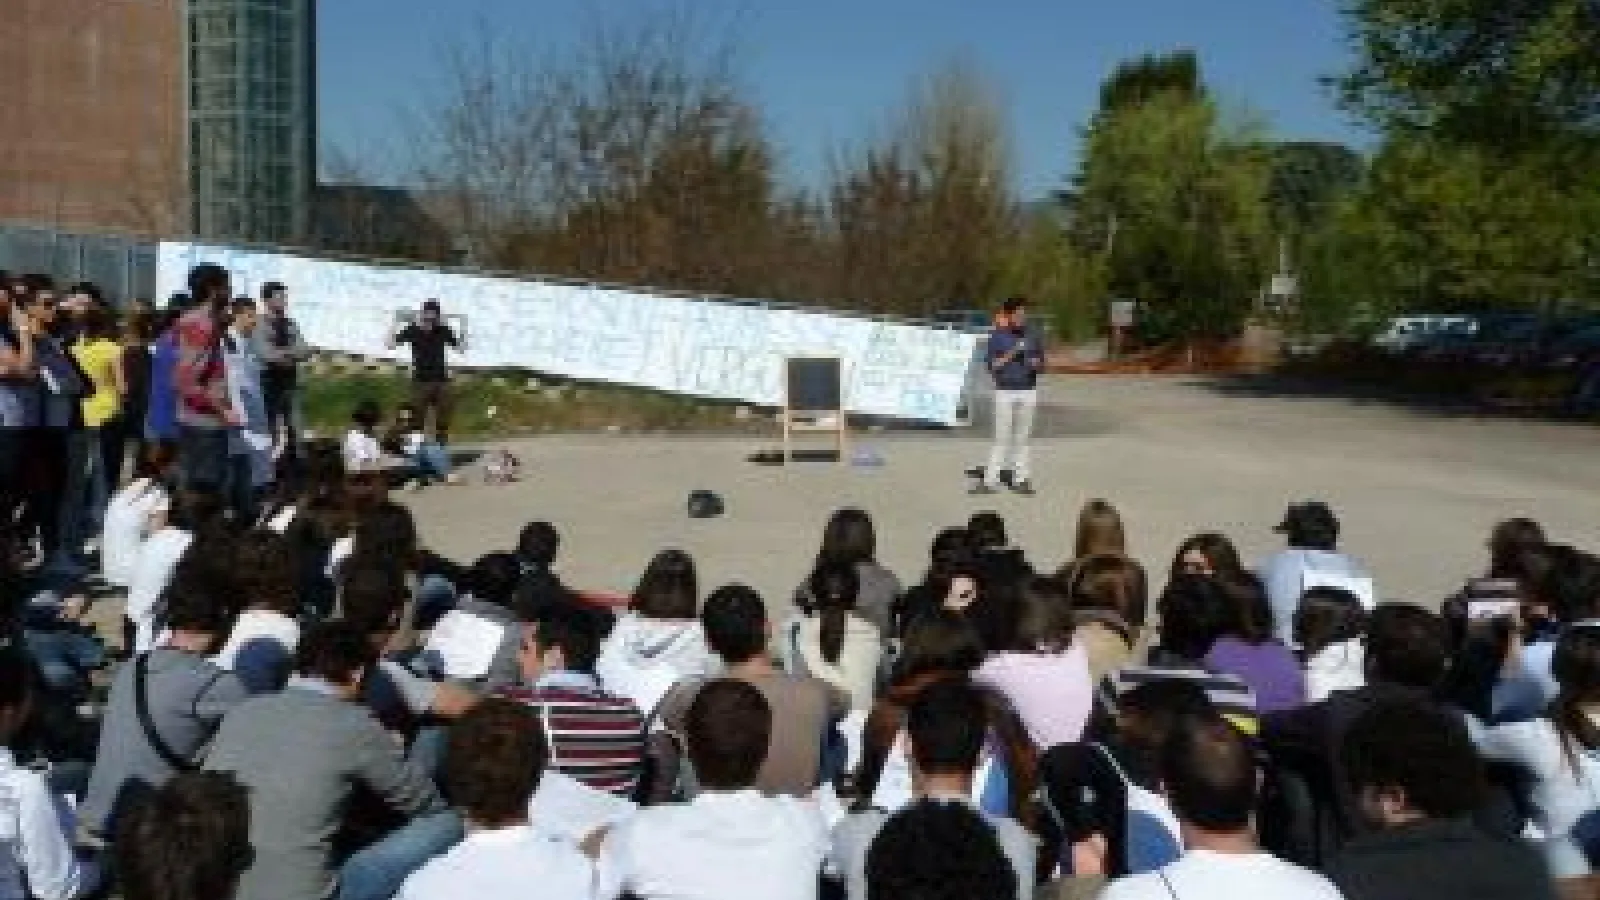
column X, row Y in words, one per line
column 1310, row 515
column 430, row 306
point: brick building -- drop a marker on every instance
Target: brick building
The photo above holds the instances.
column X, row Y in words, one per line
column 164, row 117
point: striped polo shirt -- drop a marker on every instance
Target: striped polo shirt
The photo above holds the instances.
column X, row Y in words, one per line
column 595, row 737
column 1232, row 697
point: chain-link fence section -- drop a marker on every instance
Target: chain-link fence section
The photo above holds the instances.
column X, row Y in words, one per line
column 124, row 267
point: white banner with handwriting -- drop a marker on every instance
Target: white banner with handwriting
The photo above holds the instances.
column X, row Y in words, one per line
column 702, row 348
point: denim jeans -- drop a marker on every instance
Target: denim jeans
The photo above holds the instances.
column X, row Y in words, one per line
column 376, row 872
column 203, row 458
column 431, row 461
column 77, row 497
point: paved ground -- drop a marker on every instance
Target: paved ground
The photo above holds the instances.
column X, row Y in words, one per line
column 1417, row 490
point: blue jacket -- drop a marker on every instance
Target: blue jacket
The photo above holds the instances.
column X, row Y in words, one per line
column 1021, row 373
column 161, row 417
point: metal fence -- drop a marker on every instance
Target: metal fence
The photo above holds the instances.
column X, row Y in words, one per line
column 124, row 267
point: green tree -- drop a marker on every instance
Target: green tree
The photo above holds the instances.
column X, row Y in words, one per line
column 1442, row 226
column 1175, row 202
column 1498, row 73
column 1307, row 178
column 1137, row 81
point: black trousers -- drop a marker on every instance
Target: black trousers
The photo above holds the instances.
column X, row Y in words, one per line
column 203, row 458
column 435, row 395
column 278, row 386
column 11, row 446
column 43, row 481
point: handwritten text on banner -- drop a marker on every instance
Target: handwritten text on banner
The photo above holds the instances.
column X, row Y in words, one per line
column 688, row 346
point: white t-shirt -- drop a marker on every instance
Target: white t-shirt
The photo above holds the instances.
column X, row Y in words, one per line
column 36, row 839
column 362, row 453
column 258, row 625
column 504, row 862
column 152, row 572
column 722, row 845
column 1288, row 574
column 1203, row 875
column 128, row 515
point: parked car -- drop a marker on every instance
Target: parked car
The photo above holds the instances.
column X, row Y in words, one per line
column 1408, row 334
column 1574, row 349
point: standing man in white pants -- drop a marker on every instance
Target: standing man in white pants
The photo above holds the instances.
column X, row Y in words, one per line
column 1013, row 356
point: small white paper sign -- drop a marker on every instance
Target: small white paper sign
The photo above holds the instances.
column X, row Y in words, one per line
column 462, row 645
column 1360, row 586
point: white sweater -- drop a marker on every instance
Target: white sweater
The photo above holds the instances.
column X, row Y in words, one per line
column 1561, row 794
column 855, row 671
column 1337, row 667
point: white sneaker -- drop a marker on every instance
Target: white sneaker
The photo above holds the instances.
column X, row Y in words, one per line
column 452, row 478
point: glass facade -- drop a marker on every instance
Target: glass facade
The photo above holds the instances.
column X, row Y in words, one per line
column 252, row 118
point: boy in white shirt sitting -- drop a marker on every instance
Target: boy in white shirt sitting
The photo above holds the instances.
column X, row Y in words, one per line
column 37, row 858
column 730, row 842
column 496, row 757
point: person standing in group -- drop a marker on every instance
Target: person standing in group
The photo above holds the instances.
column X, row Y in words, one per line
column 249, row 445
column 430, row 386
column 99, row 358
column 281, row 348
column 1013, row 356
column 18, row 394
column 135, row 363
column 61, row 388
column 205, row 405
column 161, row 399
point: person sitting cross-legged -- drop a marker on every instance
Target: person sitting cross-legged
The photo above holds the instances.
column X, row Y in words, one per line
column 1418, row 779
column 947, row 724
column 933, row 850
column 730, row 842
column 804, row 708
column 593, row 736
column 1209, row 775
column 495, row 761
column 302, row 753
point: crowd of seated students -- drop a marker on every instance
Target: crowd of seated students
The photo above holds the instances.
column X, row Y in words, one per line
column 314, row 705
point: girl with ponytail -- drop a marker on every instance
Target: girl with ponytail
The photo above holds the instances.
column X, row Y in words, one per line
column 830, row 640
column 1561, row 753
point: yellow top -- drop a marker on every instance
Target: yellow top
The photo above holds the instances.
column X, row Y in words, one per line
column 99, row 359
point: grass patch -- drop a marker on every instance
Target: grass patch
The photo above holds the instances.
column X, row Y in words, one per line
column 329, row 398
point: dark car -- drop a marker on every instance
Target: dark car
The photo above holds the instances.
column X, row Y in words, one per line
column 1574, row 349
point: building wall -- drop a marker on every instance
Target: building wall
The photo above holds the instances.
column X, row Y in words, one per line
column 92, row 112
column 252, row 118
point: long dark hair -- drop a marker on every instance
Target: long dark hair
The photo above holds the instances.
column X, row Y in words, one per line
column 848, row 538
column 1576, row 666
column 1220, row 554
column 833, row 589
column 669, row 588
column 951, row 555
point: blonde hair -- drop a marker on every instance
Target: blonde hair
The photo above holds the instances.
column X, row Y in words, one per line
column 1099, row 531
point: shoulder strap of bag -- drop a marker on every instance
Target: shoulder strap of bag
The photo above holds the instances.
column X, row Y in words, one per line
column 141, row 705
column 1167, row 882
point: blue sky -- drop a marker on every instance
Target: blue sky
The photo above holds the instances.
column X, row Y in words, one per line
column 828, row 72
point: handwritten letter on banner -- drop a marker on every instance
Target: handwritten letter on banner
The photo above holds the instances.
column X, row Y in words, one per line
column 688, row 346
